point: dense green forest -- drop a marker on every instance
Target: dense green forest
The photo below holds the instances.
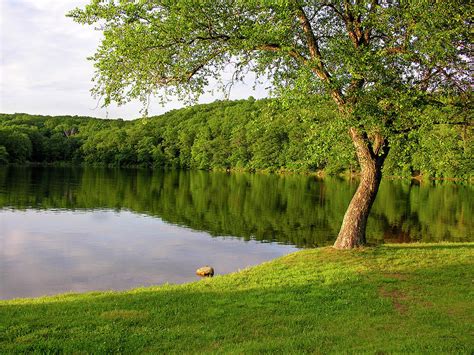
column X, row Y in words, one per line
column 246, row 135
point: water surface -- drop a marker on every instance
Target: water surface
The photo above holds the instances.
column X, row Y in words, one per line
column 72, row 229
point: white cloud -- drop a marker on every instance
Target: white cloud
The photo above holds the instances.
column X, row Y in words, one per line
column 43, row 66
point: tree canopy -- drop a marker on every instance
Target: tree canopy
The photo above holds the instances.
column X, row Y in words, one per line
column 366, row 54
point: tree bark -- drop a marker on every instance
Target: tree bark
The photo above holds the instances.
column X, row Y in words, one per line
column 371, row 156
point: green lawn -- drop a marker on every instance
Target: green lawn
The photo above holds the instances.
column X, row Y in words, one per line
column 394, row 298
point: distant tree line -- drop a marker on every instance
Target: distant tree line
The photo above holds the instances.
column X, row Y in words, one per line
column 245, row 135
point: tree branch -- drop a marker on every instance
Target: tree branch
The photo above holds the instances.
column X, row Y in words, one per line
column 310, row 37
column 316, row 56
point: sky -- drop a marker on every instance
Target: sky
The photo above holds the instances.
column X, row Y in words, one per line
column 44, row 70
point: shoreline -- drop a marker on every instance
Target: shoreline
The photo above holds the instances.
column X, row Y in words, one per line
column 363, row 300
column 318, row 174
column 369, row 247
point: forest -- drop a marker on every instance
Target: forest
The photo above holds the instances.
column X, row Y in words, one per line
column 248, row 135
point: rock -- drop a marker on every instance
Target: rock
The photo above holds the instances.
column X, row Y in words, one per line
column 205, row 271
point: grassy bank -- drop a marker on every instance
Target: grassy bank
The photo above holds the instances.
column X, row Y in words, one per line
column 394, row 298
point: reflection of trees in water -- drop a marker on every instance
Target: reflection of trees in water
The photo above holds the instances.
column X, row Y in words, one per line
column 298, row 210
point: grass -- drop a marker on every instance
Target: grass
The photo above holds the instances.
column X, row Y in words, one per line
column 393, row 298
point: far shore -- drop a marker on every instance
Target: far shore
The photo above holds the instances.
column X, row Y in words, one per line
column 318, row 174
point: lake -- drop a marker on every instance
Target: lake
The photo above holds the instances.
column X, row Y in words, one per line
column 82, row 229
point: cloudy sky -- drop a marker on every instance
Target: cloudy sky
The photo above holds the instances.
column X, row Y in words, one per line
column 43, row 66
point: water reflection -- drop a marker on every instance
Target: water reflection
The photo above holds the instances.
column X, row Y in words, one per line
column 48, row 252
column 297, row 210
column 71, row 229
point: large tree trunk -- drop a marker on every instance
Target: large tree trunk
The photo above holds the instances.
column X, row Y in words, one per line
column 371, row 156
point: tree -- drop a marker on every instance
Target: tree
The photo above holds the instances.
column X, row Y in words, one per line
column 3, row 155
column 383, row 62
column 17, row 145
